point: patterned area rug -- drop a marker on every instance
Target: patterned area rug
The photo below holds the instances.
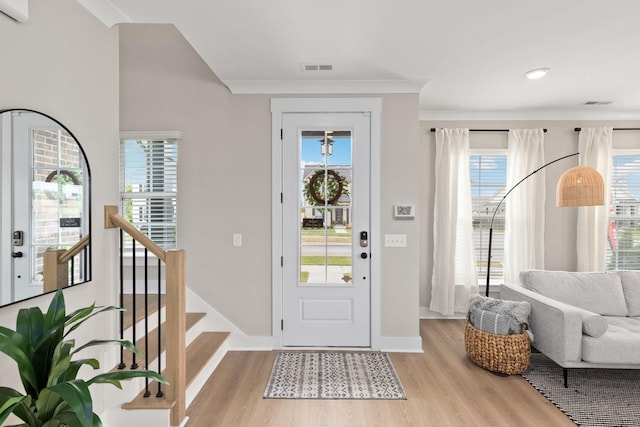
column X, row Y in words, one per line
column 595, row 397
column 343, row 375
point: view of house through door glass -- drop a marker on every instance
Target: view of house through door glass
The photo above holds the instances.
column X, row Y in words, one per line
column 325, row 207
column 326, row 295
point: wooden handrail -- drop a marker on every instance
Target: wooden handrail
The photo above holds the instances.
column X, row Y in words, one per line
column 175, row 371
column 55, row 268
column 113, row 220
column 74, row 250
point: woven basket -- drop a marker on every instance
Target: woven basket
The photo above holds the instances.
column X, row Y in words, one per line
column 505, row 354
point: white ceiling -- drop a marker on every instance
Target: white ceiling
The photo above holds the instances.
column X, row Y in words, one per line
column 466, row 58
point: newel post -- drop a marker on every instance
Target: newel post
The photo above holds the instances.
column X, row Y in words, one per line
column 175, row 335
column 56, row 275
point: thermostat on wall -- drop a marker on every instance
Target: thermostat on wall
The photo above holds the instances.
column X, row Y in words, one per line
column 403, row 211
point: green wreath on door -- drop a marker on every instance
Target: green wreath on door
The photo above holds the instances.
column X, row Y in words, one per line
column 315, row 186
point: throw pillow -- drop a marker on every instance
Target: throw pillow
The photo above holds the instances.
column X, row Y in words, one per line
column 597, row 292
column 490, row 322
column 593, row 324
column 518, row 311
column 631, row 287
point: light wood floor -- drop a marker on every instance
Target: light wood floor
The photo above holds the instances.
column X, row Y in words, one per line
column 444, row 388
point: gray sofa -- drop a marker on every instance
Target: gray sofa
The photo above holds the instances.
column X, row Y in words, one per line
column 583, row 320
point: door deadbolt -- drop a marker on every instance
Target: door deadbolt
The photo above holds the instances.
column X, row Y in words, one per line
column 364, row 239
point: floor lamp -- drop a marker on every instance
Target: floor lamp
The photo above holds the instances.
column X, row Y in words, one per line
column 578, row 186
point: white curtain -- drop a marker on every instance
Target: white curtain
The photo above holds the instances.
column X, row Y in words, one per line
column 454, row 277
column 524, row 207
column 595, row 147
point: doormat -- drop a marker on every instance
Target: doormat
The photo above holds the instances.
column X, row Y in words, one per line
column 595, row 397
column 339, row 375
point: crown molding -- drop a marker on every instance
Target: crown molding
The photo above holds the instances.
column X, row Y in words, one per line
column 431, row 115
column 18, row 10
column 105, row 11
column 247, row 87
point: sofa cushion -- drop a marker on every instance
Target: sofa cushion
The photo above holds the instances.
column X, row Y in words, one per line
column 631, row 287
column 597, row 292
column 619, row 344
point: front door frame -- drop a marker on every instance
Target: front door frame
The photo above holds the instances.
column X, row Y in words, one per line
column 280, row 106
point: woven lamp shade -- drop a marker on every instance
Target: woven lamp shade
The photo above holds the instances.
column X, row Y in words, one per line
column 580, row 186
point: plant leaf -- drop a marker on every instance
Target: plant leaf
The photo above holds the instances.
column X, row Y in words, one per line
column 78, row 315
column 76, row 394
column 16, row 347
column 86, row 315
column 124, row 343
column 56, row 312
column 70, row 419
column 60, row 363
column 46, row 404
column 30, row 324
column 75, row 366
column 110, row 377
column 12, row 401
column 7, row 407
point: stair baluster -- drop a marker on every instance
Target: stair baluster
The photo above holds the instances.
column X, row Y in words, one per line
column 122, row 364
column 159, row 393
column 134, row 364
column 147, row 393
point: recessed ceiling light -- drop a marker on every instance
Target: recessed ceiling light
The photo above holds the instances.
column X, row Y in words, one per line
column 536, row 73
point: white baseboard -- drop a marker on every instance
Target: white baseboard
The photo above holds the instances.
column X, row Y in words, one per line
column 214, row 321
column 401, row 344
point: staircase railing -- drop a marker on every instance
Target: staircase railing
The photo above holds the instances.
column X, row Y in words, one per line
column 175, row 360
column 57, row 271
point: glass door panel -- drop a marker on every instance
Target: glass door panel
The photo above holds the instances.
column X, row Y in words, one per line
column 324, row 237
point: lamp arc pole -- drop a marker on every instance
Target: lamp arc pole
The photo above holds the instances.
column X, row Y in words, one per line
column 498, row 207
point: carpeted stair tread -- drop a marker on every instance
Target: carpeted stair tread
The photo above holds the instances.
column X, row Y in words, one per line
column 198, row 354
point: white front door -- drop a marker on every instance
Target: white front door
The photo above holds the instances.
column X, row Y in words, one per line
column 326, row 289
column 22, row 124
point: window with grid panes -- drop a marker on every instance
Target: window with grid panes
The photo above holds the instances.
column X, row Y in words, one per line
column 623, row 231
column 148, row 187
column 488, row 171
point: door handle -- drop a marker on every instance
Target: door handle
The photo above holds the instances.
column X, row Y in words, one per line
column 16, row 254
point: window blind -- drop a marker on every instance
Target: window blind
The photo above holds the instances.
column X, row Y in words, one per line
column 488, row 185
column 623, row 231
column 148, row 188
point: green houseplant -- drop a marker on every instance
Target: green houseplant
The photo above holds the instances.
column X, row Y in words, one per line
column 43, row 352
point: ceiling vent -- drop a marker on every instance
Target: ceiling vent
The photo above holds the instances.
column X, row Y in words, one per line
column 317, row 67
column 597, row 103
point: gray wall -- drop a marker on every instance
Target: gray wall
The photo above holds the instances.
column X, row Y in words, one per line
column 64, row 62
column 560, row 223
column 224, row 182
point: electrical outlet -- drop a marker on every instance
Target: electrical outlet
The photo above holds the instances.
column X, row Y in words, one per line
column 237, row 239
column 395, row 240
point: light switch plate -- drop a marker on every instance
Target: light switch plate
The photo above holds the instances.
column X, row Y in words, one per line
column 395, row 240
column 237, row 239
